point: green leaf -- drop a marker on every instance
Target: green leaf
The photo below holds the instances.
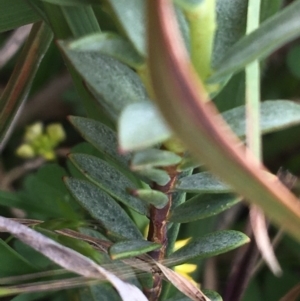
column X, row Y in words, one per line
column 268, row 8
column 131, row 16
column 158, row 176
column 103, row 292
column 153, row 158
column 272, row 34
column 72, row 2
column 110, row 44
column 131, row 248
column 12, row 263
column 275, row 115
column 81, row 20
column 203, row 206
column 112, row 83
column 209, row 245
column 103, row 208
column 231, row 26
column 203, row 182
column 212, row 295
column 154, row 197
column 109, row 179
column 45, row 195
column 19, row 84
column 15, row 14
column 100, row 136
column 141, row 126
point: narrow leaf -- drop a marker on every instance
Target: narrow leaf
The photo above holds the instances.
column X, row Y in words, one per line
column 150, row 196
column 103, row 208
column 69, row 259
column 209, row 245
column 134, row 28
column 16, row 13
column 100, row 136
column 158, row 176
column 203, row 206
column 140, row 126
column 231, row 25
column 81, row 20
column 271, row 116
column 112, row 83
column 153, row 158
column 212, row 295
column 18, row 87
column 72, row 2
column 272, row 34
column 108, row 179
column 182, row 284
column 12, row 263
column 110, row 44
column 131, row 248
column 202, row 182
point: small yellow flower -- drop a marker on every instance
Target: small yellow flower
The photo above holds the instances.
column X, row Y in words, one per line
column 186, row 268
column 41, row 143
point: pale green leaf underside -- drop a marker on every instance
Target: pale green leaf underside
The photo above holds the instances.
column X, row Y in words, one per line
column 154, row 197
column 110, row 44
column 131, row 15
column 131, row 248
column 153, row 158
column 209, row 245
column 203, row 182
column 275, row 115
column 158, row 176
column 112, row 83
column 272, row 34
column 203, row 206
column 141, row 126
column 103, row 208
column 109, row 179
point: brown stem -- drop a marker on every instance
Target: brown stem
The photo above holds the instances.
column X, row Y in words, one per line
column 158, row 231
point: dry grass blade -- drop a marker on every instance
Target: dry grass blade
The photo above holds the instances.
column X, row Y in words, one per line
column 182, row 284
column 13, row 44
column 260, row 231
column 69, row 259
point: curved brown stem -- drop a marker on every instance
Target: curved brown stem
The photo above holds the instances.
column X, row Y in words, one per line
column 182, row 100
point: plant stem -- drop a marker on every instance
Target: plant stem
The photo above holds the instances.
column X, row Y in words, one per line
column 158, row 230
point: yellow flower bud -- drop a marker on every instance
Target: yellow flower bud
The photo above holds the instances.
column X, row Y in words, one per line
column 56, row 133
column 33, row 131
column 25, row 151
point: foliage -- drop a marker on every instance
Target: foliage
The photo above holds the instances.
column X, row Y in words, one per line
column 158, row 164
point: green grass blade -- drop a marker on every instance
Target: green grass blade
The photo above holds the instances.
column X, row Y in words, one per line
column 16, row 13
column 81, row 20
